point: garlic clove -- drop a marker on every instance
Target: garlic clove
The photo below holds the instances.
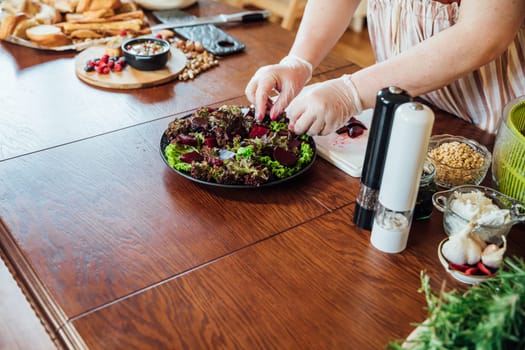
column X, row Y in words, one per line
column 452, row 250
column 479, row 241
column 463, row 247
column 492, row 255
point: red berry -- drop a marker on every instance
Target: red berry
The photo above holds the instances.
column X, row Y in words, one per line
column 91, row 64
column 117, row 67
column 100, row 69
column 111, row 64
column 158, row 36
column 123, row 32
column 105, row 58
column 105, row 70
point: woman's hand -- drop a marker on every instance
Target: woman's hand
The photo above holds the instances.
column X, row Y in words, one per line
column 286, row 78
column 322, row 108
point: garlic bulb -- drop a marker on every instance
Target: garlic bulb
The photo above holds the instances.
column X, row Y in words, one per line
column 462, row 248
column 492, row 255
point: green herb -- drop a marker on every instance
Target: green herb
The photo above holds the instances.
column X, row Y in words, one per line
column 489, row 316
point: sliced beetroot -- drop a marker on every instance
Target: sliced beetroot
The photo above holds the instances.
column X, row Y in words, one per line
column 342, row 130
column 355, row 121
column 210, row 142
column 214, row 161
column 192, row 156
column 258, row 131
column 199, row 123
column 355, row 131
column 284, row 157
column 353, row 128
column 187, row 140
column 294, row 144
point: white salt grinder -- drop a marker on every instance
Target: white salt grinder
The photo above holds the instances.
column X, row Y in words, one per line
column 406, row 153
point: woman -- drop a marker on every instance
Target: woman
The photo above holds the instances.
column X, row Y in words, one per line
column 466, row 57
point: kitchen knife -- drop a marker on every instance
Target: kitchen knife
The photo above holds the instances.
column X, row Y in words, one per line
column 240, row 17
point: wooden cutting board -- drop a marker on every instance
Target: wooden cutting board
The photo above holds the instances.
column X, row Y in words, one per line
column 129, row 77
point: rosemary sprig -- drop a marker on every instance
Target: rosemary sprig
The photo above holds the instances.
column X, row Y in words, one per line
column 489, row 316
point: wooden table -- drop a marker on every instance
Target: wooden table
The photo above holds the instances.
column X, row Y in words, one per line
column 115, row 251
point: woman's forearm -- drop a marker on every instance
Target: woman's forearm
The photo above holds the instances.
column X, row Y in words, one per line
column 323, row 23
column 485, row 28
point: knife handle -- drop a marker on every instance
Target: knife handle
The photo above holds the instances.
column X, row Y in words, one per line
column 248, row 16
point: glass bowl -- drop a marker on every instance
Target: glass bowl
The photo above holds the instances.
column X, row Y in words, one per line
column 490, row 230
column 458, row 160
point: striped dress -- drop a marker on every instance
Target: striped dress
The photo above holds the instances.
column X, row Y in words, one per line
column 479, row 97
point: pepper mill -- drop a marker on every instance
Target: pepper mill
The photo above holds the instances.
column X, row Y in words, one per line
column 387, row 100
column 404, row 161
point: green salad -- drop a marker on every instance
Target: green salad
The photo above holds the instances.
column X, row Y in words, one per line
column 229, row 146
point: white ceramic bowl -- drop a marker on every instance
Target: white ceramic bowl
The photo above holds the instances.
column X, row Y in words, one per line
column 460, row 276
column 155, row 5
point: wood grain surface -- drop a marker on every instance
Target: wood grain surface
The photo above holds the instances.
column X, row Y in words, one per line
column 116, row 251
column 20, row 329
column 45, row 105
column 129, row 77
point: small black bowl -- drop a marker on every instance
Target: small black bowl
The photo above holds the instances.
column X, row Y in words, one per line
column 146, row 53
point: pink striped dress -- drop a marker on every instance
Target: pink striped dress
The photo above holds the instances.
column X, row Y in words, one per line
column 479, row 97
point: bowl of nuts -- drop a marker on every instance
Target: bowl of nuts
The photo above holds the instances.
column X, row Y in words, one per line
column 458, row 160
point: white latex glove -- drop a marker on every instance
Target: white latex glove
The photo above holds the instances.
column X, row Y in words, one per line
column 322, row 108
column 286, row 78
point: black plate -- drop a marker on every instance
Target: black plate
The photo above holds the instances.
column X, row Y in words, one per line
column 164, row 142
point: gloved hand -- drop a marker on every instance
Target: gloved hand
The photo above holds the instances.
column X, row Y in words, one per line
column 286, row 78
column 322, row 108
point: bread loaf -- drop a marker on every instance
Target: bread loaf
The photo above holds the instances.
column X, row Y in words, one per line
column 47, row 35
column 62, row 22
column 8, row 23
column 22, row 27
column 94, row 5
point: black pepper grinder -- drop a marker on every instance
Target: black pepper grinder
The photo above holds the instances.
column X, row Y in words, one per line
column 387, row 100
